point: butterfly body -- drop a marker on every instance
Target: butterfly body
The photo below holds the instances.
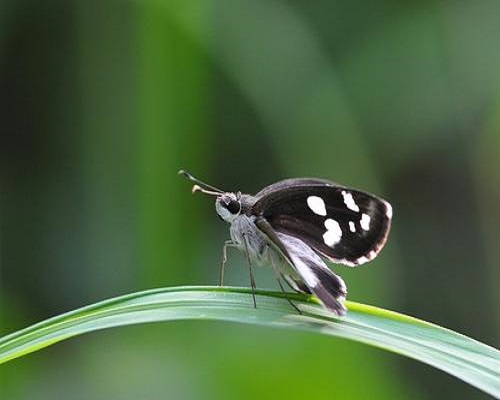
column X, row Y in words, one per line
column 292, row 225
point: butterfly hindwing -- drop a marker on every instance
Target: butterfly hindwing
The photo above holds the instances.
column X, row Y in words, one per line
column 313, row 272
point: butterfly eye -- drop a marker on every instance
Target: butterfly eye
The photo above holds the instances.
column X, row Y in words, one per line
column 231, row 203
column 233, row 206
column 228, row 206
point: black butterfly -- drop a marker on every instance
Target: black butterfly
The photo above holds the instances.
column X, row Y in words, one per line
column 291, row 224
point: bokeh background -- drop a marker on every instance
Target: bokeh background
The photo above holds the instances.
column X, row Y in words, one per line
column 101, row 102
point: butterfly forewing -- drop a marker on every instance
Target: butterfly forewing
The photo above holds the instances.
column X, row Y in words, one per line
column 345, row 225
column 294, row 182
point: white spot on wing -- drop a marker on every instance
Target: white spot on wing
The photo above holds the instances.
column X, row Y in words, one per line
column 370, row 256
column 388, row 210
column 365, row 222
column 349, row 201
column 317, row 205
column 352, row 227
column 362, row 260
column 333, row 232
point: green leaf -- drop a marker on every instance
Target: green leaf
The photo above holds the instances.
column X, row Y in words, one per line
column 459, row 355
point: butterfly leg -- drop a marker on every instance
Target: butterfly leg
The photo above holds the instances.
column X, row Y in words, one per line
column 288, row 298
column 278, row 278
column 250, row 269
column 227, row 243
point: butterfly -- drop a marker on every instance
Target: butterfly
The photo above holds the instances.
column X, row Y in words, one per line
column 294, row 224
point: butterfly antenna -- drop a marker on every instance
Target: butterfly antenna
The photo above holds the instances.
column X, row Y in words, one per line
column 201, row 186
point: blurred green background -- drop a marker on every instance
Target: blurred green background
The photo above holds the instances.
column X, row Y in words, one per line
column 103, row 101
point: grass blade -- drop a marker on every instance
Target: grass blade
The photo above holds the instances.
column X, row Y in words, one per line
column 459, row 355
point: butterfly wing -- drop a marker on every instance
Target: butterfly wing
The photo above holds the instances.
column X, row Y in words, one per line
column 286, row 183
column 315, row 276
column 344, row 225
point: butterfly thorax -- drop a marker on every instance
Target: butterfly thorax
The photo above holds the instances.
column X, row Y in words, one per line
column 256, row 246
column 236, row 208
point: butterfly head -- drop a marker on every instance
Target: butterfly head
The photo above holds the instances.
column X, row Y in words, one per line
column 228, row 206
